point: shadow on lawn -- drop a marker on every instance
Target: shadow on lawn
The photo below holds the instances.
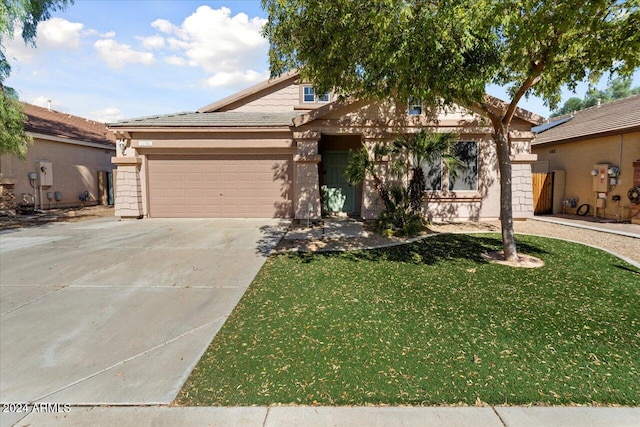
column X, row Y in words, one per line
column 445, row 247
column 622, row 267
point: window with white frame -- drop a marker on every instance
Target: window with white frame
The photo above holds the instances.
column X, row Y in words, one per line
column 415, row 106
column 309, row 95
column 467, row 175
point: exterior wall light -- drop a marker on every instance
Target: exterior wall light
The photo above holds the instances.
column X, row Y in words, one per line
column 122, row 144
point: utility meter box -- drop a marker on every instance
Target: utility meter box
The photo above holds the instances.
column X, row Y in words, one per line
column 601, row 178
column 44, row 169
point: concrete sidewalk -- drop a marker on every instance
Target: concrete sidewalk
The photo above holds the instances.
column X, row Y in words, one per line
column 497, row 416
column 588, row 223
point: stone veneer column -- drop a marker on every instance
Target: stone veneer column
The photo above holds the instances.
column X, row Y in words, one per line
column 371, row 202
column 307, row 184
column 7, row 197
column 522, row 185
column 128, row 192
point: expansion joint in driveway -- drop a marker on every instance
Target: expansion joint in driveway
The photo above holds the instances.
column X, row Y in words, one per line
column 129, row 359
column 70, row 284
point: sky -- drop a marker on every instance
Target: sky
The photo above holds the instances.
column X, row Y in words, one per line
column 108, row 60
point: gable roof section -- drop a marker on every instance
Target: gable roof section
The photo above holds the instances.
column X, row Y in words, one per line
column 618, row 116
column 319, row 113
column 225, row 119
column 52, row 123
column 252, row 92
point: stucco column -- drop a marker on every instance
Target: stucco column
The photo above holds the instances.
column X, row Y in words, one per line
column 128, row 192
column 371, row 202
column 307, row 184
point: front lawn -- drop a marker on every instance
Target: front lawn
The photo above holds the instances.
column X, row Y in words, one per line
column 430, row 323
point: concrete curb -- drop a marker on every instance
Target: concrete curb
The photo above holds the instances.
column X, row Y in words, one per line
column 261, row 416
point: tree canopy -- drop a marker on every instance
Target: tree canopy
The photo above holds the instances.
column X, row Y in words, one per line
column 25, row 15
column 450, row 50
column 616, row 89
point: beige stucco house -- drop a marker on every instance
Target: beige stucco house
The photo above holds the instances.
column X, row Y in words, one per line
column 268, row 150
column 69, row 160
column 581, row 149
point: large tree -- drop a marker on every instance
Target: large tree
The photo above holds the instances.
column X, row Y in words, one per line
column 448, row 51
column 25, row 15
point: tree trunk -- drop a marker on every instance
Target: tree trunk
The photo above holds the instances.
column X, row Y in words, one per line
column 506, row 195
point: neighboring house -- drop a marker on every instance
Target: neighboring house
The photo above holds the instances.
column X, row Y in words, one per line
column 268, row 150
column 572, row 146
column 68, row 164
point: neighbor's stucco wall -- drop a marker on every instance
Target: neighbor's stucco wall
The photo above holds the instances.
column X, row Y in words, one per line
column 75, row 170
column 578, row 158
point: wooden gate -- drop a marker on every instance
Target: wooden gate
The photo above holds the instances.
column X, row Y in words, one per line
column 542, row 193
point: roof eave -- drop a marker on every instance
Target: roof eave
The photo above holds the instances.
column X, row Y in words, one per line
column 618, row 131
column 520, row 113
column 212, row 129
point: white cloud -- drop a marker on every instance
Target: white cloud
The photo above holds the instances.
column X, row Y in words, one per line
column 164, row 26
column 235, row 78
column 174, row 60
column 106, row 115
column 230, row 48
column 57, row 33
column 16, row 48
column 116, row 55
column 152, row 42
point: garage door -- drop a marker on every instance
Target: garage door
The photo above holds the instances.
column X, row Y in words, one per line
column 220, row 187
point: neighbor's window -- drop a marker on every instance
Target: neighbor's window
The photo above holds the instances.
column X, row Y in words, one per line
column 433, row 174
column 309, row 95
column 415, row 106
column 467, row 177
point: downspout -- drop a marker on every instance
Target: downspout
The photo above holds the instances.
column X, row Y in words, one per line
column 620, row 157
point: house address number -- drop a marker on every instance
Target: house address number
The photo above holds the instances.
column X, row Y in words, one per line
column 145, row 143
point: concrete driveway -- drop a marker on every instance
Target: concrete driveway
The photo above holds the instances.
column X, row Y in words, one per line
column 118, row 312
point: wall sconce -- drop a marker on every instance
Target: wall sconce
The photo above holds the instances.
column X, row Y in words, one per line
column 594, row 172
column 122, row 144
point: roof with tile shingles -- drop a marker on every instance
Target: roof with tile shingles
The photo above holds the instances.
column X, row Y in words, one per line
column 613, row 117
column 61, row 125
column 216, row 119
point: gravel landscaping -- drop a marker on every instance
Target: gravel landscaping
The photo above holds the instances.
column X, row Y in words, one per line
column 626, row 246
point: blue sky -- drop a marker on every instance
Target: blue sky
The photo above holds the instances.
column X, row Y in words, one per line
column 114, row 59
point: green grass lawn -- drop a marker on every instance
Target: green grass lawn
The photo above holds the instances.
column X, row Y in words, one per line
column 430, row 323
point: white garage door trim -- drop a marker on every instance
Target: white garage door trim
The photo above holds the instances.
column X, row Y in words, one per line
column 220, row 186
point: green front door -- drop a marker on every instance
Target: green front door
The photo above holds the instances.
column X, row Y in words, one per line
column 335, row 162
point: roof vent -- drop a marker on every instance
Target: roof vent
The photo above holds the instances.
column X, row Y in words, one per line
column 49, row 104
column 598, row 102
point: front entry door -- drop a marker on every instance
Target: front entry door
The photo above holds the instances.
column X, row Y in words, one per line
column 335, row 162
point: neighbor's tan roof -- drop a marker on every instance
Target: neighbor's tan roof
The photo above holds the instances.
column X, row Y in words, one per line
column 61, row 125
column 613, row 117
